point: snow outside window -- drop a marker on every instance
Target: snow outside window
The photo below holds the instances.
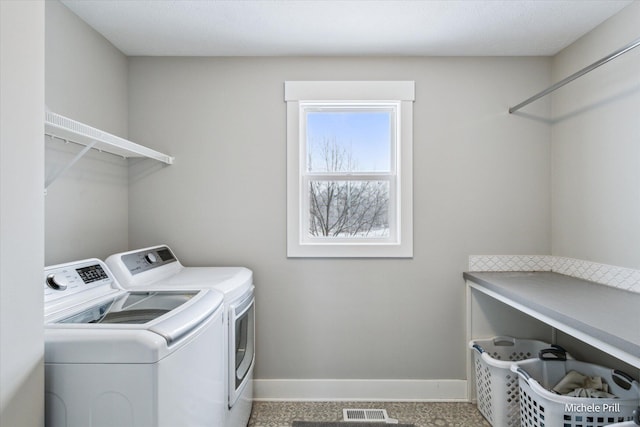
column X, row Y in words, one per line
column 349, row 189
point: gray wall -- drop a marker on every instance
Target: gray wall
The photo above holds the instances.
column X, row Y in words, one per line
column 21, row 213
column 86, row 80
column 482, row 182
column 596, row 148
column 595, row 158
column 481, row 185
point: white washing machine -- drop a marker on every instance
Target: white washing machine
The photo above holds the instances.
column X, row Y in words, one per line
column 130, row 359
column 158, row 267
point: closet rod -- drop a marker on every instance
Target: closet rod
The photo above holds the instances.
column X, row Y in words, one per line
column 580, row 73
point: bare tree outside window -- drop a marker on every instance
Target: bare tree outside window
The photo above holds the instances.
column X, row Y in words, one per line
column 345, row 208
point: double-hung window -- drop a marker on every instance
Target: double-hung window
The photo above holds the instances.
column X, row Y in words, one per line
column 349, row 168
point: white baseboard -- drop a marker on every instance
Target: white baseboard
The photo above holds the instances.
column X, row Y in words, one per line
column 361, row 390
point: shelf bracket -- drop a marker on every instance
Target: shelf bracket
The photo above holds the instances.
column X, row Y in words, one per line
column 73, row 161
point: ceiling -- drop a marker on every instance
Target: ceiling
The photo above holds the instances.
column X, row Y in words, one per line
column 343, row 27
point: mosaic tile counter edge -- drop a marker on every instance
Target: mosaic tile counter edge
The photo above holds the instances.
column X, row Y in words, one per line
column 609, row 275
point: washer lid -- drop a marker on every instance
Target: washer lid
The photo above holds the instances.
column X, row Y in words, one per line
column 69, row 339
column 182, row 320
column 131, row 308
column 171, row 314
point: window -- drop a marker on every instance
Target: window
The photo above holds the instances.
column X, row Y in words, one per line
column 349, row 189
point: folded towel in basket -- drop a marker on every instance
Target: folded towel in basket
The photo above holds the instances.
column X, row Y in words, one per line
column 576, row 384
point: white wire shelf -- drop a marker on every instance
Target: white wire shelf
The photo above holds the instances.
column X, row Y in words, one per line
column 73, row 131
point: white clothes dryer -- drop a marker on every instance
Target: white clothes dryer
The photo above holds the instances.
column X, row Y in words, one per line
column 143, row 358
column 158, row 267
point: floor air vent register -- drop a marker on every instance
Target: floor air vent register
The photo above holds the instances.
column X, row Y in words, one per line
column 367, row 416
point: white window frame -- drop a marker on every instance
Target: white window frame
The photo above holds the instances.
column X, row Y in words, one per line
column 302, row 96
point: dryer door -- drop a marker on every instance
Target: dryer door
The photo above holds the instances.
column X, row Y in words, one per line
column 241, row 346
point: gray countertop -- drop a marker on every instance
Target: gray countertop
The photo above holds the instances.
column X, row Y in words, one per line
column 607, row 314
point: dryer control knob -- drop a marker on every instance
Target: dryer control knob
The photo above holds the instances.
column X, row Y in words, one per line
column 55, row 283
column 151, row 258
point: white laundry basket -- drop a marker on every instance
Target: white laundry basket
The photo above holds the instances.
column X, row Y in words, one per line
column 540, row 407
column 496, row 385
column 634, row 423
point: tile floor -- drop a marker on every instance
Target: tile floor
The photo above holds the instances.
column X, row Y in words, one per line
column 422, row 414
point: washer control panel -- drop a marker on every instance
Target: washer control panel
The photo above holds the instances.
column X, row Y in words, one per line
column 148, row 259
column 65, row 280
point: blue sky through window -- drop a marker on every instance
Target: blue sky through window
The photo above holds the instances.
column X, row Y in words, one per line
column 366, row 135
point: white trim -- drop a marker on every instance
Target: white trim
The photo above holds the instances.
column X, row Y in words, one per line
column 400, row 243
column 361, row 390
column 360, row 90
